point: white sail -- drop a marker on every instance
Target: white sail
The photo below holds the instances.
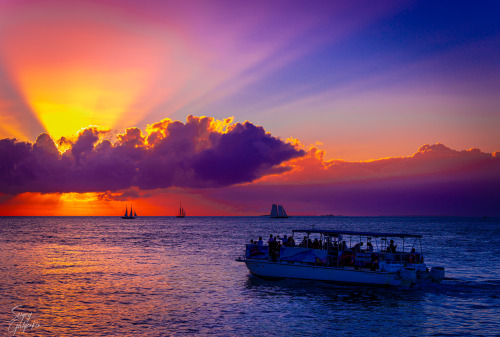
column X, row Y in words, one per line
column 274, row 211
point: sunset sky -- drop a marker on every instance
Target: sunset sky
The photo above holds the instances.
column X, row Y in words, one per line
column 326, row 107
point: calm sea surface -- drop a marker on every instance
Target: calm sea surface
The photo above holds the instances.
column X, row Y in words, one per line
column 155, row 276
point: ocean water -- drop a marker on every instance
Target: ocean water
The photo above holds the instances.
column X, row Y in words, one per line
column 161, row 276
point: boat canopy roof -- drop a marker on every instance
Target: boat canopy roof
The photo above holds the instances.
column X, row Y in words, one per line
column 332, row 232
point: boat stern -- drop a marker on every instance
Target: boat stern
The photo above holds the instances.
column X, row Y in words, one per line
column 437, row 274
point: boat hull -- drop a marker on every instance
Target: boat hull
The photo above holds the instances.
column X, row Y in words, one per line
column 349, row 275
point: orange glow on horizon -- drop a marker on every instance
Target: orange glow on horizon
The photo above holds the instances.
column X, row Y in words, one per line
column 101, row 204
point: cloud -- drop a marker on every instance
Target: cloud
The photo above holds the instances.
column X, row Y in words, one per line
column 202, row 152
column 211, row 161
column 429, row 160
column 436, row 180
column 127, row 195
column 262, row 155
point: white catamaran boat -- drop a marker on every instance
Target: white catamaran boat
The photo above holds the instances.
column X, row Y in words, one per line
column 132, row 214
column 329, row 258
column 278, row 211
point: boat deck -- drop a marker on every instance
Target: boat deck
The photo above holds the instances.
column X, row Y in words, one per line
column 362, row 260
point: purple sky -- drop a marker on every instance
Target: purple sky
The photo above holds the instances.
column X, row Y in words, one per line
column 339, row 98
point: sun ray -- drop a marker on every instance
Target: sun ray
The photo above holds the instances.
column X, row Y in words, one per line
column 73, row 70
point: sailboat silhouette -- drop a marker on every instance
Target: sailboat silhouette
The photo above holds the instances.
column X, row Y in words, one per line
column 131, row 215
column 278, row 211
column 182, row 212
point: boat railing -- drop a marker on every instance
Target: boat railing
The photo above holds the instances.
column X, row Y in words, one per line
column 254, row 251
column 330, row 257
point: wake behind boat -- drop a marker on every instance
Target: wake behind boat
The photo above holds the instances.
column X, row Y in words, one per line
column 329, row 258
column 132, row 214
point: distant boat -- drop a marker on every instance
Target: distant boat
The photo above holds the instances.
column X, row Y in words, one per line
column 278, row 211
column 182, row 212
column 131, row 215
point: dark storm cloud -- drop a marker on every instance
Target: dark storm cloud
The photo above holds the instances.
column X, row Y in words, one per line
column 199, row 153
column 262, row 153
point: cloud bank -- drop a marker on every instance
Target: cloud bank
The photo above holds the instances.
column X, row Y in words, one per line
column 436, row 180
column 203, row 152
column 213, row 162
column 437, row 161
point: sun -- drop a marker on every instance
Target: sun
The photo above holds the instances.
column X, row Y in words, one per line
column 73, row 69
